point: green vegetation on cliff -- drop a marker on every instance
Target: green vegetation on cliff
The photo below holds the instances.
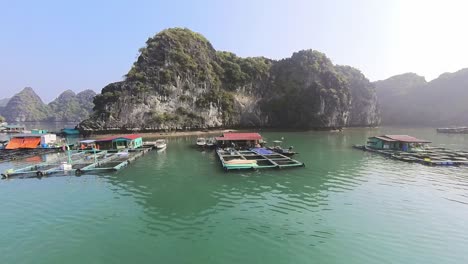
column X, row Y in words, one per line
column 306, row 91
column 72, row 107
column 179, row 81
column 28, row 106
column 364, row 109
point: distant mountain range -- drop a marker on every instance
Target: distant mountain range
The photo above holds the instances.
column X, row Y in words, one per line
column 408, row 99
column 28, row 106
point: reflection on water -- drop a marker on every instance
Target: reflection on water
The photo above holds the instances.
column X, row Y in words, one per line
column 179, row 206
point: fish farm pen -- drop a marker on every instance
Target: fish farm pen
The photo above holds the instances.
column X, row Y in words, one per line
column 431, row 156
column 80, row 163
column 255, row 158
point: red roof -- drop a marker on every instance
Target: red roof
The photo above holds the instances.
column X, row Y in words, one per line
column 402, row 138
column 240, row 136
column 129, row 137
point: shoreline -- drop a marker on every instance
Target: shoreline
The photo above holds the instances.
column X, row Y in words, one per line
column 154, row 135
column 216, row 132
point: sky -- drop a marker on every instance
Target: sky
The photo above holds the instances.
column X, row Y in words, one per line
column 53, row 46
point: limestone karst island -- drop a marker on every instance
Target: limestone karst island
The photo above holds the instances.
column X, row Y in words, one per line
column 243, row 132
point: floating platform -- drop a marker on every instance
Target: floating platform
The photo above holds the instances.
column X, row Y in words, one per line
column 258, row 158
column 15, row 154
column 432, row 156
column 81, row 163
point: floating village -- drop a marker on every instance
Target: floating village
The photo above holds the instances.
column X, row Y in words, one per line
column 235, row 151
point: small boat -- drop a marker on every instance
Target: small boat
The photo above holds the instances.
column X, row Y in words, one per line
column 201, row 142
column 210, row 143
column 160, row 144
column 278, row 149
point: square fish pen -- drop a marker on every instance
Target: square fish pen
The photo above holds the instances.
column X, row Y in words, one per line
column 255, row 158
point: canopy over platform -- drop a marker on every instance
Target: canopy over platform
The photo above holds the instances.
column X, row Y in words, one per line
column 239, row 136
column 401, row 138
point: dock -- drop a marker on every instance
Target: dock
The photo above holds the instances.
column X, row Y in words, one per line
column 256, row 158
column 81, row 162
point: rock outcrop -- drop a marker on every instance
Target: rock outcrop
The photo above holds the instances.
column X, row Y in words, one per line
column 28, row 106
column 25, row 106
column 71, row 107
column 181, row 82
column 408, row 99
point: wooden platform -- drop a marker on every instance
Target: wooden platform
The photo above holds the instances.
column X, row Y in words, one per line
column 433, row 156
column 81, row 163
column 254, row 160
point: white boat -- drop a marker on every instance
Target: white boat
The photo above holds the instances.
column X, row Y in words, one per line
column 201, row 142
column 210, row 143
column 160, row 144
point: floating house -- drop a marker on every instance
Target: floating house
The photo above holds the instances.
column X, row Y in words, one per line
column 395, row 142
column 132, row 141
column 239, row 140
column 31, row 141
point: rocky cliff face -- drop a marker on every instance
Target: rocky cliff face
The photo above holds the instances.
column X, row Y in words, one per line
column 180, row 81
column 407, row 99
column 364, row 107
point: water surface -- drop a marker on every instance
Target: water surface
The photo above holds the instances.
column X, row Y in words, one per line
column 179, row 206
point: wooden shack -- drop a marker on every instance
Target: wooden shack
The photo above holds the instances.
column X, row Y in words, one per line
column 395, row 142
column 239, row 140
column 131, row 141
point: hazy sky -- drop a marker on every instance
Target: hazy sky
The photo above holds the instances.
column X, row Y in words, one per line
column 57, row 45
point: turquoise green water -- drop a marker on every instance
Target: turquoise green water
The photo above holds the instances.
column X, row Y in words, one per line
column 179, row 206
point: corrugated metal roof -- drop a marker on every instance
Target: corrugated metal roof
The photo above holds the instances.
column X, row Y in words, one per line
column 401, row 138
column 240, row 136
column 129, row 137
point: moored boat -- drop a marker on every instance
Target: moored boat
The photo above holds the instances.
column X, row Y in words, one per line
column 201, row 142
column 210, row 143
column 285, row 151
column 160, row 144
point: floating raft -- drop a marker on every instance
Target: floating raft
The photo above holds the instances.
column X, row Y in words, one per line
column 258, row 158
column 81, row 163
column 433, row 156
